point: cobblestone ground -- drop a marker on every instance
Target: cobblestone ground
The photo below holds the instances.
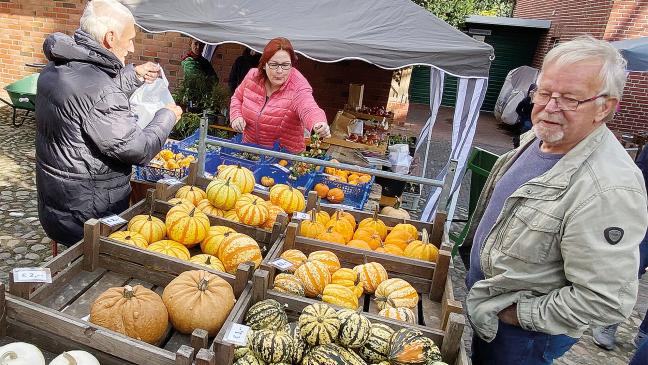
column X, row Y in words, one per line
column 23, row 242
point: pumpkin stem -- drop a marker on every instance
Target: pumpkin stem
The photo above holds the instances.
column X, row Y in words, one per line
column 150, row 215
column 397, row 204
column 191, row 214
column 9, row 355
column 128, row 292
column 208, row 261
column 203, row 284
column 424, row 236
column 70, row 359
column 317, row 204
column 357, row 281
column 375, row 214
column 128, row 238
column 312, row 214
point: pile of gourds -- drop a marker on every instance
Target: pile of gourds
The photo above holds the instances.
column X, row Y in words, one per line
column 324, row 336
column 166, row 159
column 194, row 299
column 28, row 354
column 369, row 234
column 320, row 276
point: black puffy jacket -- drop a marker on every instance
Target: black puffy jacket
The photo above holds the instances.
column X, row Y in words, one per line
column 87, row 139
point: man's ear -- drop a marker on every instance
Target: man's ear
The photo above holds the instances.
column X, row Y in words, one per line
column 109, row 39
column 605, row 111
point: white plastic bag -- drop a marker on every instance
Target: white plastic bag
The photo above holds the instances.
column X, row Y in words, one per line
column 399, row 158
column 149, row 98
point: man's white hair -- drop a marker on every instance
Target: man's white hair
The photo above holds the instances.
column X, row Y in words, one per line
column 102, row 16
column 613, row 69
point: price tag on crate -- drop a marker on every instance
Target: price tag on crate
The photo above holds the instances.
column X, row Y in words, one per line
column 237, row 334
column 113, row 220
column 301, row 216
column 32, row 275
column 282, row 168
column 281, row 264
column 170, row 181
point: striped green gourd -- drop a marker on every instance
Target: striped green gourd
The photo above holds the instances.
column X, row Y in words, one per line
column 376, row 349
column 249, row 359
column 319, row 324
column 328, row 354
column 410, row 347
column 300, row 347
column 240, row 351
column 354, row 329
column 271, row 346
column 351, row 357
column 266, row 314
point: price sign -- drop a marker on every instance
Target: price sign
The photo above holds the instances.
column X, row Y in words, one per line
column 301, row 216
column 281, row 264
column 32, row 275
column 237, row 334
column 282, row 168
column 113, row 220
column 170, row 181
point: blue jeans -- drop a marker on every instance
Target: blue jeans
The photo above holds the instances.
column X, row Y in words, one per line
column 641, row 356
column 516, row 346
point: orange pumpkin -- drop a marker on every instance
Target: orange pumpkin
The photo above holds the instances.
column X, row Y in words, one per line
column 252, row 214
column 170, row 248
column 350, row 279
column 236, row 249
column 288, row 198
column 322, row 190
column 215, row 237
column 375, row 224
column 222, row 194
column 390, row 249
column 409, row 228
column 206, row 207
column 371, row 275
column 341, row 226
column 131, row 238
column 188, row 228
column 267, row 181
column 335, row 195
column 311, row 228
column 192, row 193
column 328, row 258
column 283, row 163
column 422, row 250
column 400, row 238
column 240, row 176
column 330, row 235
column 359, row 244
column 346, row 215
column 370, row 236
column 273, row 212
column 315, row 276
column 177, row 201
column 295, row 257
column 152, row 228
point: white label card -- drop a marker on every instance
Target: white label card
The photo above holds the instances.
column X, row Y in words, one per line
column 301, row 216
column 281, row 264
column 237, row 334
column 32, row 275
column 170, row 181
column 113, row 220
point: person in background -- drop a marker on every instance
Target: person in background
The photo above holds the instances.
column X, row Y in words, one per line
column 275, row 102
column 195, row 65
column 87, row 139
column 248, row 60
column 560, row 219
column 523, row 111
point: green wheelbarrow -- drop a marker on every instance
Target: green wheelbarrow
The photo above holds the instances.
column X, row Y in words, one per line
column 22, row 95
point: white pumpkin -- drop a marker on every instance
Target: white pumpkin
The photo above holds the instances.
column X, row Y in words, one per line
column 21, row 353
column 75, row 357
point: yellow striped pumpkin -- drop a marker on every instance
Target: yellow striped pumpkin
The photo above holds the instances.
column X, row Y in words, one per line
column 131, row 238
column 232, row 216
column 152, row 228
column 288, row 283
column 328, row 258
column 252, row 213
column 236, row 249
column 289, row 199
column 213, row 240
column 345, row 215
column 401, row 314
column 350, row 279
column 188, row 228
column 192, row 193
column 209, row 261
column 273, row 213
column 311, row 228
column 247, row 198
column 330, row 235
column 396, row 293
column 295, row 257
column 315, row 276
column 178, row 201
column 170, row 248
column 371, row 275
column 222, row 194
column 340, row 295
column 206, row 207
column 242, row 177
column 422, row 250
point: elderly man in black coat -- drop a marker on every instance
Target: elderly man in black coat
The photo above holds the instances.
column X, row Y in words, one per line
column 87, row 138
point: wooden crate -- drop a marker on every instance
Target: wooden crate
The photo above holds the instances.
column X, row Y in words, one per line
column 449, row 340
column 430, row 279
column 90, row 267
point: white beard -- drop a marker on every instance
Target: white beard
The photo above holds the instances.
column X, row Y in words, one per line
column 547, row 135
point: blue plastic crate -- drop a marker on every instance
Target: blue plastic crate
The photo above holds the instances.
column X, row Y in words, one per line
column 281, row 175
column 153, row 174
column 263, row 159
column 354, row 195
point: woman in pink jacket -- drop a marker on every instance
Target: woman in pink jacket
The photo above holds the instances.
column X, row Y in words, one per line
column 275, row 102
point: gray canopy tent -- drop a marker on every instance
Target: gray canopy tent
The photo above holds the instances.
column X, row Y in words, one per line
column 390, row 34
column 635, row 52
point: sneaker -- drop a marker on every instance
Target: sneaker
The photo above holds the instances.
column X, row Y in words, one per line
column 605, row 337
column 640, row 338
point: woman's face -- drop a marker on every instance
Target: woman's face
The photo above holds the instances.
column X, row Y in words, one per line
column 278, row 68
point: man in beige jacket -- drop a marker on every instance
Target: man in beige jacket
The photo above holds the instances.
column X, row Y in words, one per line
column 557, row 227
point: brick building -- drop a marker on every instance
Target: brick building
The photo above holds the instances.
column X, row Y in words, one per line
column 24, row 24
column 611, row 20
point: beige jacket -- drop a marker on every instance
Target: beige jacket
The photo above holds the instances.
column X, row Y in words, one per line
column 556, row 248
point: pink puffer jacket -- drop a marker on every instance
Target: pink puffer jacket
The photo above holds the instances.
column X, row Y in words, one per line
column 285, row 115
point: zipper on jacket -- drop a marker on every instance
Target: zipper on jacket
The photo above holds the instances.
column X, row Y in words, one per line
column 267, row 99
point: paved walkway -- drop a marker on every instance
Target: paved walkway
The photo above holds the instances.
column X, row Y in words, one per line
column 23, row 242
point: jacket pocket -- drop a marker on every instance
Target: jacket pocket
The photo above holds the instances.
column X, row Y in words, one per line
column 532, row 236
column 119, row 194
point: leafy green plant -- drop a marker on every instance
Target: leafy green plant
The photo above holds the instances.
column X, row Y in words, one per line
column 187, row 124
column 455, row 12
column 195, row 92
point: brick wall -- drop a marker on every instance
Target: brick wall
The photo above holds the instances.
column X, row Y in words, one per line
column 24, row 24
column 606, row 19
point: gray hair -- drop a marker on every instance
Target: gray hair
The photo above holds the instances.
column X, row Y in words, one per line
column 102, row 16
column 613, row 73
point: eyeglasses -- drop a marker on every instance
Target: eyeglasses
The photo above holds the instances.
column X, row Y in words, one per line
column 565, row 104
column 275, row 66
